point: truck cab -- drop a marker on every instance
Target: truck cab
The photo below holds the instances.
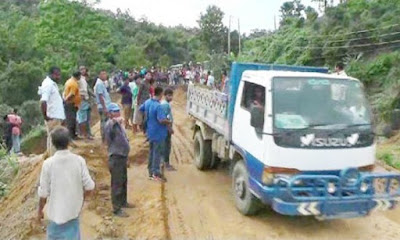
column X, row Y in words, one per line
column 300, row 140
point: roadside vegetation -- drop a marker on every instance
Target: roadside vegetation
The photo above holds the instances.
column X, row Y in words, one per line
column 8, row 170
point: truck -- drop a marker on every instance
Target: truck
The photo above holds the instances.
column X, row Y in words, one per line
column 298, row 139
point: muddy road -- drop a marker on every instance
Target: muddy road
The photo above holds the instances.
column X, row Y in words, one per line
column 191, row 205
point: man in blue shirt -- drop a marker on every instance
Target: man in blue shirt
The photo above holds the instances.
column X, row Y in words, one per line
column 157, row 132
column 103, row 100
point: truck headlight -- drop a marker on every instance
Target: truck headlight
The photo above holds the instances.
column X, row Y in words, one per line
column 331, row 188
column 364, row 187
column 267, row 178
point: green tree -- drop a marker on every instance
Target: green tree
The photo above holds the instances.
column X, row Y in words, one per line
column 131, row 56
column 212, row 30
column 291, row 12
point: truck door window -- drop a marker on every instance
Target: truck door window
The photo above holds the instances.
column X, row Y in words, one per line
column 253, row 94
column 254, row 97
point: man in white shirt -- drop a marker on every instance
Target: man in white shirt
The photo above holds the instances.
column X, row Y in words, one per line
column 64, row 182
column 51, row 104
column 211, row 80
column 339, row 70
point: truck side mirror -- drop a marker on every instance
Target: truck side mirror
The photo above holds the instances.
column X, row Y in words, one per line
column 257, row 117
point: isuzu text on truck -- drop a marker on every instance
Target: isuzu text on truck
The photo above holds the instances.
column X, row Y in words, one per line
column 300, row 140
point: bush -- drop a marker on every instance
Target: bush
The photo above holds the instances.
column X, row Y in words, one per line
column 31, row 115
column 4, row 110
column 33, row 141
column 8, row 169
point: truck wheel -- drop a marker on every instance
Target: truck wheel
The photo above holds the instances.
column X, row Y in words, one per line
column 202, row 152
column 215, row 160
column 245, row 201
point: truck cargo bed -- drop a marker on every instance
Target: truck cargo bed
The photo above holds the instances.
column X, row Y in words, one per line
column 209, row 106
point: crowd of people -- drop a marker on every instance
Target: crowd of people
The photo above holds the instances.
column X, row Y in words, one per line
column 197, row 75
column 65, row 180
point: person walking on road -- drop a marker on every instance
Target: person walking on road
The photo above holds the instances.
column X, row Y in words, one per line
column 72, row 103
column 126, row 101
column 166, row 104
column 64, row 183
column 16, row 122
column 103, row 100
column 51, row 104
column 157, row 131
column 118, row 151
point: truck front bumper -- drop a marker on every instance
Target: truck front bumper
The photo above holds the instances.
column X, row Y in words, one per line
column 349, row 194
column 333, row 209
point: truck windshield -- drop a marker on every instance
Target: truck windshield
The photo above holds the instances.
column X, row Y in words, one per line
column 300, row 103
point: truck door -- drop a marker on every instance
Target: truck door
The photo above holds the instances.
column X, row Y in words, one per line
column 245, row 136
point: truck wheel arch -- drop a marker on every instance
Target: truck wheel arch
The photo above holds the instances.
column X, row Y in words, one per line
column 206, row 131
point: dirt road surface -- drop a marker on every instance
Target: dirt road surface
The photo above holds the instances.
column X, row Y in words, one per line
column 191, row 205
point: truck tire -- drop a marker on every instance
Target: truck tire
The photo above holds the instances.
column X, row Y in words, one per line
column 245, row 201
column 202, row 152
column 215, row 160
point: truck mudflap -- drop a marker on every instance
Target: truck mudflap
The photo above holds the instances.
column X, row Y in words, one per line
column 346, row 195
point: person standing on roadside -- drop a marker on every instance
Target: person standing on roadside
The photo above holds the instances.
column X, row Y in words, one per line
column 64, row 183
column 7, row 133
column 72, row 99
column 143, row 95
column 157, row 131
column 16, row 123
column 83, row 115
column 51, row 104
column 118, row 151
column 103, row 100
column 134, row 85
column 166, row 104
column 126, row 100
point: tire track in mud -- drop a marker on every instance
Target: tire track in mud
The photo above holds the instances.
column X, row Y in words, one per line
column 165, row 212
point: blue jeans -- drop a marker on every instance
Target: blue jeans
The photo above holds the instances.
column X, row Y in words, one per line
column 88, row 127
column 16, row 143
column 167, row 150
column 157, row 155
column 150, row 159
column 67, row 231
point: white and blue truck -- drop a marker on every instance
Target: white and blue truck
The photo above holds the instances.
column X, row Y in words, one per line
column 299, row 139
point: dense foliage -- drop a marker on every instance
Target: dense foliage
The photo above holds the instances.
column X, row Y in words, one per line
column 35, row 35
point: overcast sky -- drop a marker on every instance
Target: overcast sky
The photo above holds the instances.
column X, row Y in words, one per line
column 252, row 13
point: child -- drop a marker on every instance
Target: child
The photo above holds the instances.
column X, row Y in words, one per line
column 118, row 151
column 166, row 104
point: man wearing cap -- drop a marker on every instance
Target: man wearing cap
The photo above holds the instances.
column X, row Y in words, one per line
column 118, row 151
